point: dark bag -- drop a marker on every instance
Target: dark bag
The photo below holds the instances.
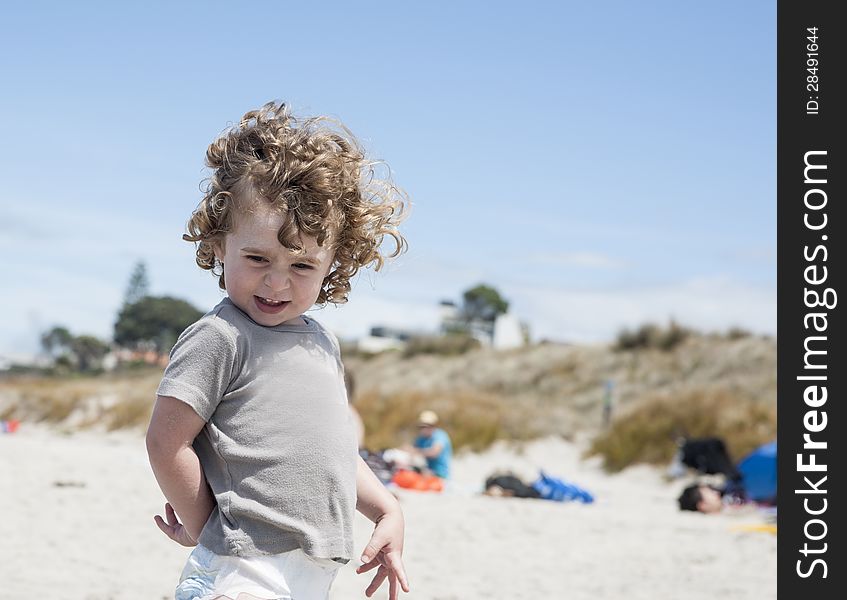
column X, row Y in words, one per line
column 381, row 468
column 709, row 456
column 512, row 484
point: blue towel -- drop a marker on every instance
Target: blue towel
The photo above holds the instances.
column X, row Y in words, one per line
column 558, row 490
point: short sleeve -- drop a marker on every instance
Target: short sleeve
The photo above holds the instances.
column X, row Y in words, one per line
column 333, row 342
column 201, row 367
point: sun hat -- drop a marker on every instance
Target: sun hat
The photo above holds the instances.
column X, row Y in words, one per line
column 428, row 417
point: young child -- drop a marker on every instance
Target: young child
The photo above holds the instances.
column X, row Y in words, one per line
column 251, row 439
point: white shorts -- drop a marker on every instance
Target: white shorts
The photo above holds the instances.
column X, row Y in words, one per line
column 290, row 576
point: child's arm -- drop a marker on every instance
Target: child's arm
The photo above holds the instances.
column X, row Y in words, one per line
column 172, row 430
column 385, row 549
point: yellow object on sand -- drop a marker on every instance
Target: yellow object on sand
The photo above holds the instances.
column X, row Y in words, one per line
column 763, row 527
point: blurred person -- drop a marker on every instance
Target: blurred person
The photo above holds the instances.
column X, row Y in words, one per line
column 710, row 499
column 509, row 485
column 701, row 498
column 358, row 424
column 433, row 444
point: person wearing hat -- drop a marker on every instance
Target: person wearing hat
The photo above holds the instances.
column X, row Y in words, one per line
column 433, row 444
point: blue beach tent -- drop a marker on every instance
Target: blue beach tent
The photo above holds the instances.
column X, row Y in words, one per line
column 758, row 473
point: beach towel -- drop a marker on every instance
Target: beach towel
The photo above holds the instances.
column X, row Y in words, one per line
column 559, row 490
column 412, row 480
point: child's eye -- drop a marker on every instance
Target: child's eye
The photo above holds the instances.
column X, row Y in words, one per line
column 258, row 259
column 303, row 266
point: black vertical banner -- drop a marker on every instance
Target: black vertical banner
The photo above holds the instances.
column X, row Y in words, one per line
column 811, row 175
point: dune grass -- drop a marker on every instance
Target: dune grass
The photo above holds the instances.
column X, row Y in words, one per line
column 113, row 401
column 648, row 432
column 482, row 397
column 473, row 420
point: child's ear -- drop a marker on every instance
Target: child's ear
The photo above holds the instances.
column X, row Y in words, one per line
column 218, row 249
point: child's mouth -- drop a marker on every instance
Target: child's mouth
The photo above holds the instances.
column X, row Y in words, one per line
column 267, row 305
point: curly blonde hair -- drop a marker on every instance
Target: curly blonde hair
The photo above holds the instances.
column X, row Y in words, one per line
column 314, row 171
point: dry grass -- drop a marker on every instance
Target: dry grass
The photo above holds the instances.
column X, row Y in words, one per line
column 702, row 386
column 129, row 411
column 474, row 420
column 652, row 336
column 648, row 432
column 451, row 344
column 113, row 401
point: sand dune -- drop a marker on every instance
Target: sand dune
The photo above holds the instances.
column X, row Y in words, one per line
column 79, row 525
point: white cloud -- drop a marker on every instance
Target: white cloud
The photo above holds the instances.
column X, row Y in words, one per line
column 708, row 304
column 356, row 318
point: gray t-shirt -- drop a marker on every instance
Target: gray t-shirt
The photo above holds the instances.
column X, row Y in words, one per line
column 279, row 448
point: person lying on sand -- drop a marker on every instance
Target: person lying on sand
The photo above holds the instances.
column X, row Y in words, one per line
column 710, row 499
column 506, row 484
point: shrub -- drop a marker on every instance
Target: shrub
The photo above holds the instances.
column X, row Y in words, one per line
column 652, row 336
column 737, row 333
column 451, row 344
column 472, row 420
column 647, row 433
column 129, row 412
column 115, row 401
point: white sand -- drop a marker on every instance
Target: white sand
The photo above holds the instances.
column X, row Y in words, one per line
column 94, row 537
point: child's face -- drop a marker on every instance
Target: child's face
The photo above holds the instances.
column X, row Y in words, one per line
column 264, row 278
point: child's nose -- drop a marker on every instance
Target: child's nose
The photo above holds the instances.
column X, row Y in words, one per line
column 277, row 280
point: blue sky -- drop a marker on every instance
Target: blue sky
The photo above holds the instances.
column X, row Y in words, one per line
column 602, row 164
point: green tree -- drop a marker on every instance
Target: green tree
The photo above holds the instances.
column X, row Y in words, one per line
column 56, row 341
column 138, row 286
column 74, row 352
column 483, row 303
column 88, row 351
column 155, row 320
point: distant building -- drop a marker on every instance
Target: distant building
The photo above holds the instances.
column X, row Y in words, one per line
column 383, row 338
column 143, row 355
column 506, row 331
column 451, row 317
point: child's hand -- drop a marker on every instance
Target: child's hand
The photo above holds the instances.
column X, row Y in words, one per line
column 173, row 528
column 385, row 550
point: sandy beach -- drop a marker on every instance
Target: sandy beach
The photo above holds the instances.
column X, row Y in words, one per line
column 79, row 525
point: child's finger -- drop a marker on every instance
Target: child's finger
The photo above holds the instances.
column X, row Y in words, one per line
column 376, row 581
column 166, row 529
column 368, row 566
column 172, row 518
column 392, row 587
column 171, row 515
column 395, row 563
column 371, row 551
